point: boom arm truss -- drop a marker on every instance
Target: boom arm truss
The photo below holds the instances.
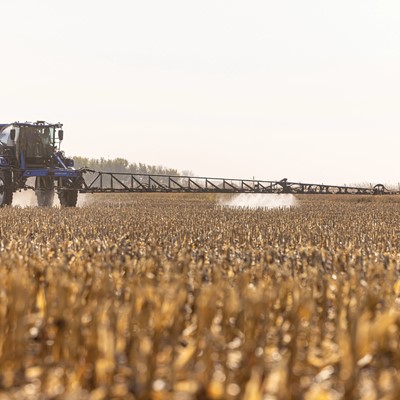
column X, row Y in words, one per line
column 110, row 182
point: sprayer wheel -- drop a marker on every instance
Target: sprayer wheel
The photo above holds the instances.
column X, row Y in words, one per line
column 68, row 198
column 45, row 198
column 6, row 193
column 44, row 190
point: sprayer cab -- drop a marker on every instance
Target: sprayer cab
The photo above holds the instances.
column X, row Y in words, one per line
column 31, row 144
column 32, row 150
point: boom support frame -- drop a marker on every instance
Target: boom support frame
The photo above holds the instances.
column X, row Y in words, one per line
column 121, row 182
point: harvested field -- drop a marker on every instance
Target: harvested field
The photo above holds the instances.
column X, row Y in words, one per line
column 175, row 297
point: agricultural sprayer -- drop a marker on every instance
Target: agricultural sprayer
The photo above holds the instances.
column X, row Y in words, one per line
column 32, row 150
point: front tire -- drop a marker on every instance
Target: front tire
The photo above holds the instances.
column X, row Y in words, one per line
column 44, row 190
column 6, row 193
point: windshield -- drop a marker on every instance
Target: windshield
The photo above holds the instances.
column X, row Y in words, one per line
column 47, row 135
column 36, row 141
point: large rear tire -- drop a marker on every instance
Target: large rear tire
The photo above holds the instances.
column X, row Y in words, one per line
column 44, row 190
column 68, row 198
column 6, row 193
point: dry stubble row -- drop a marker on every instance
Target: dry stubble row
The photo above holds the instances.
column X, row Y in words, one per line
column 174, row 297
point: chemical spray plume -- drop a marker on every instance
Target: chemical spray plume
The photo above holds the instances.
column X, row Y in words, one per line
column 27, row 198
column 266, row 201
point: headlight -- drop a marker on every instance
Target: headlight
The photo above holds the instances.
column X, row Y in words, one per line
column 3, row 161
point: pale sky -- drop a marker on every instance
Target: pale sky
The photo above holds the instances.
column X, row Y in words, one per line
column 306, row 90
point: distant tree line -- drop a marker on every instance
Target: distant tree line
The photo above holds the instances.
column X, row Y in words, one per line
column 121, row 165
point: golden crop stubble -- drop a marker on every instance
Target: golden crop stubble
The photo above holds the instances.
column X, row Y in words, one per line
column 175, row 297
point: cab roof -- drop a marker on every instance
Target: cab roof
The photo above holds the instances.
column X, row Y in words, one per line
column 37, row 124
